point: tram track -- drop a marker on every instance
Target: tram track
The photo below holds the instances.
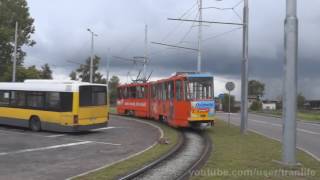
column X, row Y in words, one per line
column 190, row 154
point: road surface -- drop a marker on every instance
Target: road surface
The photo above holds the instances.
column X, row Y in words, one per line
column 47, row 155
column 308, row 134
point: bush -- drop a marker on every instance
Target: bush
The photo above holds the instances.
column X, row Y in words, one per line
column 256, row 106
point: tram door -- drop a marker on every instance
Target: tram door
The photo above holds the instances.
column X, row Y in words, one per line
column 171, row 101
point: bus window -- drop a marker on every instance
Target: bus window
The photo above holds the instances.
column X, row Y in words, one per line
column 4, row 98
column 18, row 99
column 35, row 100
column 66, row 101
column 179, row 90
column 99, row 95
column 93, row 95
column 52, row 100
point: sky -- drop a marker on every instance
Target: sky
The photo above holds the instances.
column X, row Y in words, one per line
column 61, row 36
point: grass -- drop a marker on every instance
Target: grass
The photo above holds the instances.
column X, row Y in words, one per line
column 303, row 115
column 236, row 153
column 134, row 163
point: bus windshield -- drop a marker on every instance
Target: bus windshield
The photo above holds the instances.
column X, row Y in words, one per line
column 199, row 88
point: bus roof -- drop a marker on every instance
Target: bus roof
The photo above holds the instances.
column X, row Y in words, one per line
column 46, row 85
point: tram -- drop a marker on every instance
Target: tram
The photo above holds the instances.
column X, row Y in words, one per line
column 185, row 99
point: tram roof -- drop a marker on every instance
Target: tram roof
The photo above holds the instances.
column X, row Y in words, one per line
column 46, row 85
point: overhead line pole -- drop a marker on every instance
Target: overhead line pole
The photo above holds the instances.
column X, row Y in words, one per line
column 244, row 69
column 91, row 57
column 15, row 54
column 146, row 58
column 290, row 85
column 199, row 37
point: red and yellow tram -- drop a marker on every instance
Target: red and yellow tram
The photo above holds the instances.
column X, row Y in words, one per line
column 183, row 100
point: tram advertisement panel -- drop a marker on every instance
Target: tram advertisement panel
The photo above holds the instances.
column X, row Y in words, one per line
column 202, row 110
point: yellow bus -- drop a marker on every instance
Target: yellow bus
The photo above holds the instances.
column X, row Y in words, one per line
column 62, row 106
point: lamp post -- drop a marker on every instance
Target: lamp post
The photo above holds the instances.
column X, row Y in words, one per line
column 92, row 51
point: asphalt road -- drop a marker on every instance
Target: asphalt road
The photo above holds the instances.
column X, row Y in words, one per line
column 308, row 134
column 47, row 155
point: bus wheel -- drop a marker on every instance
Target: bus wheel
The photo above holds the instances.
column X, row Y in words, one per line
column 35, row 124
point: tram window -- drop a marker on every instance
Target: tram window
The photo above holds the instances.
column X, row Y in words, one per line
column 125, row 93
column 179, row 90
column 154, row 92
column 132, row 92
column 140, row 92
column 4, row 98
column 35, row 100
column 159, row 91
column 199, row 88
column 163, row 91
column 170, row 90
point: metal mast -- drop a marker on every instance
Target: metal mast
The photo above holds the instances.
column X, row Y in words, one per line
column 290, row 84
column 15, row 54
column 244, row 69
column 199, row 37
column 91, row 57
column 146, row 58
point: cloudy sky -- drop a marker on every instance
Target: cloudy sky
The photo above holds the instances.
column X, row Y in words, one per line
column 62, row 36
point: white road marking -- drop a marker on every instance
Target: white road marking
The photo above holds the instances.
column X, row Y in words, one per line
column 45, row 148
column 56, row 135
column 105, row 128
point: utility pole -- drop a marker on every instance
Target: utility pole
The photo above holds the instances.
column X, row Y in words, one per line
column 92, row 51
column 107, row 78
column 199, row 37
column 146, row 58
column 244, row 69
column 15, row 54
column 290, row 85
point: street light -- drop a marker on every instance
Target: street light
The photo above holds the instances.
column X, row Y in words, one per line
column 92, row 50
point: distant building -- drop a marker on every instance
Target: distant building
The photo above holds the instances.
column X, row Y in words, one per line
column 312, row 104
column 251, row 99
column 269, row 105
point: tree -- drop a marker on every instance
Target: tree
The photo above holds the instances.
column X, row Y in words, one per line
column 12, row 12
column 300, row 101
column 256, row 88
column 84, row 71
column 225, row 103
column 46, row 72
column 73, row 76
column 113, row 84
column 256, row 106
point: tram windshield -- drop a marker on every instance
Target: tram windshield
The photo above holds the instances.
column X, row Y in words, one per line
column 199, row 88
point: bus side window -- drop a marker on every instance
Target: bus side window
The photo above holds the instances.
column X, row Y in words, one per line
column 35, row 100
column 4, row 98
column 52, row 100
column 178, row 90
column 18, row 99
